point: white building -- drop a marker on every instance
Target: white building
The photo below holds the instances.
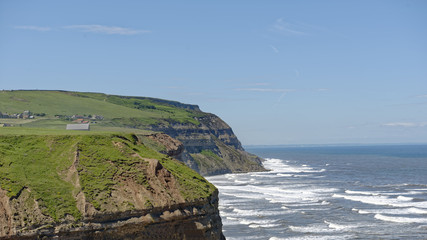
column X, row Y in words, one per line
column 81, row 127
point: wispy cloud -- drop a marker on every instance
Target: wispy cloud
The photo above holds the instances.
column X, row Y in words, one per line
column 422, row 96
column 405, row 124
column 322, row 89
column 274, row 49
column 33, row 28
column 283, row 27
column 278, row 90
column 111, row 30
column 260, row 84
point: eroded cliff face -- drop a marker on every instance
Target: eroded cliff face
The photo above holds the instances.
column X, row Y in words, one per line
column 211, row 147
column 102, row 187
column 22, row 218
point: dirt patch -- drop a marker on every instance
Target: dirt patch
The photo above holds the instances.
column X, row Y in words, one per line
column 5, row 215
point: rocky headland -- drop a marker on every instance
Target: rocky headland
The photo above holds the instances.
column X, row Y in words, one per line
column 102, row 187
column 134, row 175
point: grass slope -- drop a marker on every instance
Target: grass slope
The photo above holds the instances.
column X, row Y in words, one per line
column 118, row 111
column 41, row 162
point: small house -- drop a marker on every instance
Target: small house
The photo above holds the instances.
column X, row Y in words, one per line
column 81, row 127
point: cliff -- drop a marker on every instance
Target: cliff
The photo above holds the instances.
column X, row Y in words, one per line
column 104, row 186
column 209, row 144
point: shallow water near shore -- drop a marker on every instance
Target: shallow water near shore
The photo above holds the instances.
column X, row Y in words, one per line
column 363, row 192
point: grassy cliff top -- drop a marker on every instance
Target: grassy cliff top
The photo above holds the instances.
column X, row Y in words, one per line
column 54, row 168
column 54, row 109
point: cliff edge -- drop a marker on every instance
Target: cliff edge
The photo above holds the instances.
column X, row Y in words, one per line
column 209, row 144
column 210, row 147
column 106, row 186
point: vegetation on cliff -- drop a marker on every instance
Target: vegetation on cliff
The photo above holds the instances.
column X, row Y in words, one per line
column 104, row 164
column 197, row 130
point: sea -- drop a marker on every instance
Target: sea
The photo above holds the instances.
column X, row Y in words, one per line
column 328, row 192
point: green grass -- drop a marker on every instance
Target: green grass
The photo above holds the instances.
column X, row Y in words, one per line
column 118, row 111
column 208, row 161
column 38, row 159
column 34, row 162
column 43, row 131
column 103, row 158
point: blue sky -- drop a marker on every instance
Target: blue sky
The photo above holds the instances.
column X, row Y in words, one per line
column 279, row 72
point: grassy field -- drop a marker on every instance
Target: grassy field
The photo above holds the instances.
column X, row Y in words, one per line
column 118, row 111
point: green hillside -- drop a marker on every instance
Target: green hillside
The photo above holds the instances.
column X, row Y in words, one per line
column 104, row 163
column 54, row 109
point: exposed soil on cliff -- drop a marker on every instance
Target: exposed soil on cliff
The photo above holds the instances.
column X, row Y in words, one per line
column 120, row 189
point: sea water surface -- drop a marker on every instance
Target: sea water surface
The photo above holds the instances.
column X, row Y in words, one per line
column 359, row 192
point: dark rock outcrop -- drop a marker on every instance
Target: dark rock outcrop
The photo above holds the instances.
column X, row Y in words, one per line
column 211, row 147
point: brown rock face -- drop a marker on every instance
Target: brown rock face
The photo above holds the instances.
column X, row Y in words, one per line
column 197, row 220
column 212, row 137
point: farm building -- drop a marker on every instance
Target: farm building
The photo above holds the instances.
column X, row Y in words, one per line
column 81, row 127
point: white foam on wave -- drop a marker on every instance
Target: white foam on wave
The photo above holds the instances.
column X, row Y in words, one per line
column 377, row 193
column 312, row 229
column 263, row 175
column 252, row 213
column 297, row 193
column 264, row 225
column 259, row 222
column 244, row 195
column 328, row 227
column 311, row 196
column 360, row 211
column 322, row 237
column 400, row 219
column 285, row 175
column 395, row 211
column 382, row 200
column 416, row 192
column 362, row 192
column 403, row 198
column 325, row 203
column 278, row 165
column 339, row 227
column 229, row 221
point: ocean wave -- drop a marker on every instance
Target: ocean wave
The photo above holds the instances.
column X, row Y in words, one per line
column 312, row 229
column 362, row 192
column 403, row 198
column 383, row 193
column 322, row 237
column 400, row 219
column 383, row 200
column 264, row 225
column 253, row 213
column 259, row 222
column 339, row 226
column 278, row 165
column 244, row 195
column 395, row 211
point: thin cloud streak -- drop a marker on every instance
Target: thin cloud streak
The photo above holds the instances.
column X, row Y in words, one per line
column 274, row 49
column 33, row 28
column 405, row 124
column 111, row 30
column 265, row 90
column 280, row 26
